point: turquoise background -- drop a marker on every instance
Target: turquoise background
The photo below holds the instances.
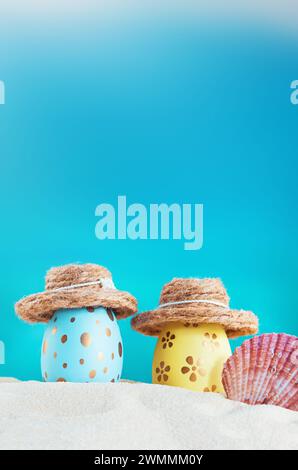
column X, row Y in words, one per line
column 159, row 111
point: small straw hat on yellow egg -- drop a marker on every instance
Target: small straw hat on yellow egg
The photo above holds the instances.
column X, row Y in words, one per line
column 195, row 301
column 76, row 286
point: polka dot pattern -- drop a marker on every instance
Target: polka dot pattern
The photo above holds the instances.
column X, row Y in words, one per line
column 44, row 346
column 111, row 315
column 63, row 339
column 86, row 340
column 82, row 345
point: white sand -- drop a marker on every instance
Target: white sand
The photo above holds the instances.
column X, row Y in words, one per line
column 36, row 415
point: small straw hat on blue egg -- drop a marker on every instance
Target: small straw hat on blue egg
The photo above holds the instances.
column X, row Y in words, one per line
column 76, row 286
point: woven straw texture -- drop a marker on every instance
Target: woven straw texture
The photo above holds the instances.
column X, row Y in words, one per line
column 235, row 322
column 40, row 307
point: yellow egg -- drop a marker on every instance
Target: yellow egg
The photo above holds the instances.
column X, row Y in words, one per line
column 191, row 356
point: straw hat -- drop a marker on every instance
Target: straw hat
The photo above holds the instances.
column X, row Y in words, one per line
column 75, row 286
column 195, row 301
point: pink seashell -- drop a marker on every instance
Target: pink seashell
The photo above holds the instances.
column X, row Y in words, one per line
column 264, row 370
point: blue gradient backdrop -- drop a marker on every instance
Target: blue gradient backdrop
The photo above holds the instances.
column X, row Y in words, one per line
column 159, row 112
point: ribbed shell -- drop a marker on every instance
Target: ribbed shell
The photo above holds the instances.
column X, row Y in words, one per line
column 264, row 370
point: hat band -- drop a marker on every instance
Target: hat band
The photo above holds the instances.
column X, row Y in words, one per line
column 194, row 301
column 103, row 282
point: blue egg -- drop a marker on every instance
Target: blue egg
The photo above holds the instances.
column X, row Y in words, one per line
column 82, row 345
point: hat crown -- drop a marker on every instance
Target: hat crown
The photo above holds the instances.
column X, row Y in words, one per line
column 180, row 289
column 72, row 274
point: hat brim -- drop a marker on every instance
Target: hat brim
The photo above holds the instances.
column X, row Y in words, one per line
column 235, row 322
column 39, row 308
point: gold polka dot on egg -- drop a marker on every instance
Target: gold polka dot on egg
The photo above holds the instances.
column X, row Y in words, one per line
column 63, row 339
column 108, row 332
column 100, row 356
column 55, row 355
column 92, row 374
column 54, row 330
column 105, row 370
column 110, row 314
column 86, row 339
column 45, row 346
